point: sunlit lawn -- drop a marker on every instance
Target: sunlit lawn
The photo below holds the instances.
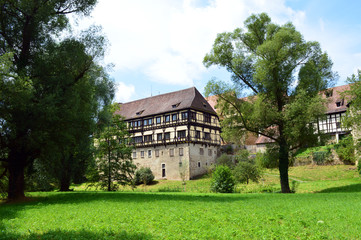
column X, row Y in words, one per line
column 331, row 212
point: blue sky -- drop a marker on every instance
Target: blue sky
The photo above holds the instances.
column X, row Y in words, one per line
column 158, row 46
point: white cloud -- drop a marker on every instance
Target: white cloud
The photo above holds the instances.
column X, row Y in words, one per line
column 167, row 40
column 123, row 92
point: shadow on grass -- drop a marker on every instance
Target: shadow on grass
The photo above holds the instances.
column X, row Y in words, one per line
column 82, row 234
column 343, row 189
column 136, row 197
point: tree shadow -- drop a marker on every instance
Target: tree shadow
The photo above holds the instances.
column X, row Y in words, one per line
column 136, row 197
column 343, row 189
column 81, row 234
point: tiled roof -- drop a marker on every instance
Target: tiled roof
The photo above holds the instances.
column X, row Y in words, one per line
column 183, row 99
column 331, row 105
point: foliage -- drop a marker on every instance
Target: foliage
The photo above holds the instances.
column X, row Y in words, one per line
column 53, row 90
column 246, row 171
column 321, row 157
column 345, row 150
column 38, row 178
column 353, row 115
column 222, row 180
column 268, row 159
column 284, row 74
column 242, row 155
column 143, row 176
column 113, row 152
column 225, row 160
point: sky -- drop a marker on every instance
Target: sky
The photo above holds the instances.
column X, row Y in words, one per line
column 157, row 46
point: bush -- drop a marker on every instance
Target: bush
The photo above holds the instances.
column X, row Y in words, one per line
column 242, row 155
column 345, row 150
column 245, row 171
column 225, row 160
column 143, row 175
column 222, row 180
column 320, row 157
column 269, row 159
column 37, row 178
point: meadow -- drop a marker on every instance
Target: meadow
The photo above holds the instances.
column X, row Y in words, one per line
column 331, row 211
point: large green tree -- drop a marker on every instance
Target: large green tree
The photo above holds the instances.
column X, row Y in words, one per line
column 114, row 153
column 281, row 74
column 65, row 88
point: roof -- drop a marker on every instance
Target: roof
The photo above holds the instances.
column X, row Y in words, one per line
column 179, row 100
column 336, row 97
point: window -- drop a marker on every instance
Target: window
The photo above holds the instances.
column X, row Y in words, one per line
column 157, row 153
column 184, row 115
column 159, row 136
column 181, row 134
column 174, row 117
column 180, row 164
column 207, row 136
column 167, row 136
column 139, row 123
column 199, row 164
column 135, row 124
column 167, row 118
column 139, row 113
column 338, row 125
column 201, row 151
column 138, row 139
column 134, row 154
column 149, row 153
column 207, row 118
column 142, row 154
column 175, row 105
column 209, row 152
column 158, row 120
column 148, row 138
column 147, row 122
column 171, row 152
column 163, row 170
column 198, row 134
column 180, row 151
column 193, row 116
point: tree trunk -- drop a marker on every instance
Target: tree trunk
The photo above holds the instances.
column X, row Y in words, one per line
column 283, row 167
column 65, row 181
column 16, row 177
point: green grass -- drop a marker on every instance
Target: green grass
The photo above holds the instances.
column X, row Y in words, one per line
column 125, row 215
column 327, row 206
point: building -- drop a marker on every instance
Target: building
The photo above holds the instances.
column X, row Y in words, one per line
column 173, row 134
column 331, row 124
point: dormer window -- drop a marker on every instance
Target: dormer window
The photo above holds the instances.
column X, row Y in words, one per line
column 329, row 93
column 139, row 113
column 204, row 104
column 175, row 105
column 339, row 103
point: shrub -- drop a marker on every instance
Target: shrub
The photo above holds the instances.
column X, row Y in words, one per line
column 143, row 175
column 37, row 178
column 320, row 157
column 345, row 150
column 245, row 171
column 225, row 160
column 242, row 155
column 222, row 180
column 269, row 159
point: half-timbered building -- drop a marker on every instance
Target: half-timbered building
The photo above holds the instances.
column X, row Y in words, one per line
column 173, row 134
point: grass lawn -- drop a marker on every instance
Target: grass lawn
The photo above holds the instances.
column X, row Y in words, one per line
column 333, row 212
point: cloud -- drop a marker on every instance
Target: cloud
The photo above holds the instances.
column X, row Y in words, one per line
column 167, row 40
column 123, row 92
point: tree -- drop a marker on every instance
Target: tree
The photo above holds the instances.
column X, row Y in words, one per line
column 245, row 171
column 352, row 118
column 114, row 153
column 282, row 74
column 55, row 72
column 222, row 180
